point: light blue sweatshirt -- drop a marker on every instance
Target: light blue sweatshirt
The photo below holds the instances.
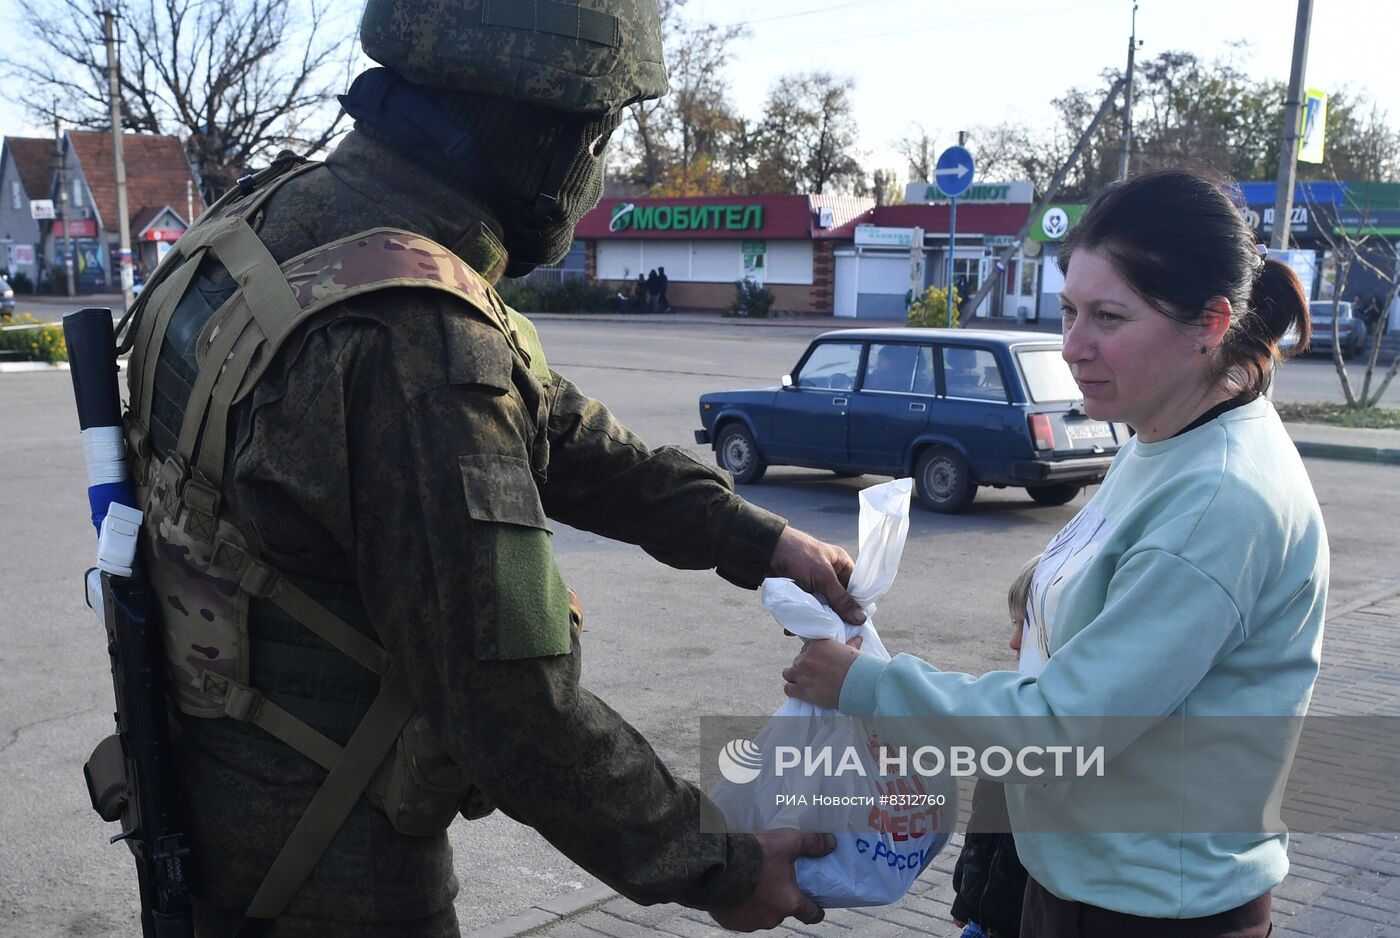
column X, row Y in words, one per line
column 1192, row 584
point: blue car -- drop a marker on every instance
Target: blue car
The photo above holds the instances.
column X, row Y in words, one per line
column 954, row 408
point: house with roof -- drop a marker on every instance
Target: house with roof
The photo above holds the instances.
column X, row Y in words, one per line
column 26, row 168
column 162, row 197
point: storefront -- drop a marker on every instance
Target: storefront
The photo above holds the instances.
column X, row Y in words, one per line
column 884, row 255
column 706, row 245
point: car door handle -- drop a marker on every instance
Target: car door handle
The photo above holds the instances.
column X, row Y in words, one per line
column 918, row 408
column 838, row 402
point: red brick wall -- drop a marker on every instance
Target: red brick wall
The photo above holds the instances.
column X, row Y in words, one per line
column 823, row 277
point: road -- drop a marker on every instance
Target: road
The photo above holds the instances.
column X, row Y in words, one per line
column 663, row 647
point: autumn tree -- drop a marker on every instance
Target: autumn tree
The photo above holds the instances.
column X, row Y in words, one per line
column 809, row 133
column 236, row 80
column 680, row 143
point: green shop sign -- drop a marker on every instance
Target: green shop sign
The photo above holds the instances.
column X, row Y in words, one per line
column 627, row 215
column 1053, row 222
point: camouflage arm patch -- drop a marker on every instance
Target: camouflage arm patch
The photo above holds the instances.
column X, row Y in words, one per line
column 529, row 614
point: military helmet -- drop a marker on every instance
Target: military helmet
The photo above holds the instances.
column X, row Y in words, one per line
column 579, row 56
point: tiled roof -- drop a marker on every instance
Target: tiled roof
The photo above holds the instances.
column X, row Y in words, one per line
column 972, row 219
column 157, row 175
column 33, row 158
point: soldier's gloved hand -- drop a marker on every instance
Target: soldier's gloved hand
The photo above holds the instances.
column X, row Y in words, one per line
column 817, row 567
column 777, row 895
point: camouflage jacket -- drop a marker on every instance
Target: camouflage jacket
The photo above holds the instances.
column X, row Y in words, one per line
column 400, row 452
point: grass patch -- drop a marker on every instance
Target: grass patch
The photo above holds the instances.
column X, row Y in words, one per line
column 1340, row 415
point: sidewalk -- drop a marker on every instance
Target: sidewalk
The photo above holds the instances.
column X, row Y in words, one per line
column 1339, row 885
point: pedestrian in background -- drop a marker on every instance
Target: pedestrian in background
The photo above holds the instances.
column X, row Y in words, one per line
column 653, row 289
column 663, row 305
column 1193, row 582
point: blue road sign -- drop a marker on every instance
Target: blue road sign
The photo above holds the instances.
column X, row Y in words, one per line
column 954, row 171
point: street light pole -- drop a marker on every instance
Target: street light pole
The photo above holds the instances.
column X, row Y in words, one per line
column 1288, row 151
column 115, row 102
column 60, row 157
column 1126, row 145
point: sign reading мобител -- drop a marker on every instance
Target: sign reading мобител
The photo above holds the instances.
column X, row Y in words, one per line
column 628, row 215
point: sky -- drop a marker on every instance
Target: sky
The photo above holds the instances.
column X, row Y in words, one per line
column 953, row 64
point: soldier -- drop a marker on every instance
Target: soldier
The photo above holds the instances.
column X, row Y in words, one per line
column 347, row 448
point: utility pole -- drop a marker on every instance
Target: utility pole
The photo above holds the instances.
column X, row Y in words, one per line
column 954, row 311
column 60, row 159
column 114, row 94
column 1288, row 151
column 1126, row 148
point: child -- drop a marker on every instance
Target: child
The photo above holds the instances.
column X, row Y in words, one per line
column 988, row 879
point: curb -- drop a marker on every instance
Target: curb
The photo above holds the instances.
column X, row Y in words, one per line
column 1379, row 455
column 19, row 367
column 546, row 913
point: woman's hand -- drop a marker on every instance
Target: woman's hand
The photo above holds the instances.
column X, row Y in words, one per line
column 819, row 670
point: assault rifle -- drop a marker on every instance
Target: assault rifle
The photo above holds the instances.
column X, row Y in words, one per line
column 128, row 774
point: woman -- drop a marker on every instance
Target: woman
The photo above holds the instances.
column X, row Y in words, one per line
column 1192, row 584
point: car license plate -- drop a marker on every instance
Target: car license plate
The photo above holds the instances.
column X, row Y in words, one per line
column 1088, row 430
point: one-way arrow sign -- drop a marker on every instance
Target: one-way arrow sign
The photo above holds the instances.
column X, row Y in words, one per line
column 954, row 171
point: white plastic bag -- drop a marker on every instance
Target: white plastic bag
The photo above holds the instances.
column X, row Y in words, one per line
column 868, row 867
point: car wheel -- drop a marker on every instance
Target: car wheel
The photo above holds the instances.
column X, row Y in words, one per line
column 1054, row 494
column 943, row 481
column 736, row 452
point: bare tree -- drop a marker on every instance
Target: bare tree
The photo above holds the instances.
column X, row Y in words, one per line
column 1355, row 246
column 237, row 80
column 918, row 147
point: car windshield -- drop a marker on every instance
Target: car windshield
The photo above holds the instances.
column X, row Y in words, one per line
column 1047, row 375
column 831, row 365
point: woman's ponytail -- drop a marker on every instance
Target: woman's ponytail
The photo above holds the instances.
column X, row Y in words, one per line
column 1278, row 301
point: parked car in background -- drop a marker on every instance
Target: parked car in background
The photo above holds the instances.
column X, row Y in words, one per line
column 953, row 408
column 7, row 299
column 1350, row 329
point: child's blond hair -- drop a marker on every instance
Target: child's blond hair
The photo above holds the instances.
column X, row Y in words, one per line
column 1018, row 597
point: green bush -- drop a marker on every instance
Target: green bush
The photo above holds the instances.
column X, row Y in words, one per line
column 576, row 295
column 751, row 300
column 41, row 342
column 931, row 310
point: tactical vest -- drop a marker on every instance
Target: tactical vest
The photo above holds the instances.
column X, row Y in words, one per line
column 209, row 574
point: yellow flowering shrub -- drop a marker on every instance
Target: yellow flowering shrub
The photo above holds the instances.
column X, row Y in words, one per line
column 35, row 340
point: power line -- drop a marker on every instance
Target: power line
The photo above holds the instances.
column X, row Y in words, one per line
column 813, row 12
column 944, row 27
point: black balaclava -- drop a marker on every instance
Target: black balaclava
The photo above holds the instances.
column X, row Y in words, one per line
column 539, row 170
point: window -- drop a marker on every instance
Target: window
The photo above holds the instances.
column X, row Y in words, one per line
column 901, row 369
column 1048, row 378
column 77, row 193
column 973, row 373
column 831, row 365
column 16, row 195
column 1029, row 270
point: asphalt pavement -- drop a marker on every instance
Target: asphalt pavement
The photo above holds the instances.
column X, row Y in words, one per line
column 660, row 645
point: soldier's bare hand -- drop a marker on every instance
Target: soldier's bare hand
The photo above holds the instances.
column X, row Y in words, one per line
column 817, row 567
column 777, row 895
